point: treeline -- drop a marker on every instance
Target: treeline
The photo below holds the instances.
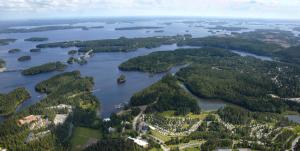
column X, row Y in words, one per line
column 48, row 67
column 115, row 45
column 166, row 95
column 9, row 101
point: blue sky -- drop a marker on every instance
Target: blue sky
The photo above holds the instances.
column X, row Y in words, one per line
column 31, row 9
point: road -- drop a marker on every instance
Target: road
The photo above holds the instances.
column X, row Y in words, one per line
column 136, row 119
column 190, row 145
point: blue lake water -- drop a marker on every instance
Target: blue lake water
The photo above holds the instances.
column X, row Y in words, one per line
column 103, row 67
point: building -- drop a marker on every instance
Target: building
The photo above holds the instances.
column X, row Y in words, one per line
column 28, row 119
column 60, row 119
column 140, row 142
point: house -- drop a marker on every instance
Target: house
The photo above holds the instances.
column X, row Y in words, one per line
column 111, row 129
column 28, row 119
column 140, row 142
column 60, row 119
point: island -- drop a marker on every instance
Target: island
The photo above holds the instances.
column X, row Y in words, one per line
column 121, row 79
column 81, row 60
column 35, row 50
column 138, row 28
column 10, row 101
column 24, row 58
column 39, row 29
column 72, row 52
column 117, row 45
column 4, row 42
column 14, row 50
column 36, row 39
column 44, row 68
column 159, row 31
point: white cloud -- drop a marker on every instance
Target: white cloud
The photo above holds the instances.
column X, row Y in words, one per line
column 230, row 8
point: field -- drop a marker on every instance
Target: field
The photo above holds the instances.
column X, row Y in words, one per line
column 82, row 137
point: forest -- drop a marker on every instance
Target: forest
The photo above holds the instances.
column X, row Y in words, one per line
column 9, row 101
column 166, row 95
column 163, row 61
column 115, row 45
column 48, row 67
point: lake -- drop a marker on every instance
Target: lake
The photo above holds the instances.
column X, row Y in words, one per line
column 103, row 67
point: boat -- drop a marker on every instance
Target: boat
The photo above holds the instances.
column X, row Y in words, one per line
column 121, row 79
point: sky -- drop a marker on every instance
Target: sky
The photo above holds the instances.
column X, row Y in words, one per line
column 35, row 9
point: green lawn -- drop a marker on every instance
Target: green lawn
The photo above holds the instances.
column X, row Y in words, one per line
column 83, row 136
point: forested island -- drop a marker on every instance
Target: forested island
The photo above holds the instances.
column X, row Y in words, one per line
column 16, row 50
column 138, row 28
column 36, row 39
column 116, row 45
column 4, row 42
column 72, row 52
column 9, row 101
column 48, row 67
column 121, row 79
column 24, row 58
column 39, row 29
column 35, row 50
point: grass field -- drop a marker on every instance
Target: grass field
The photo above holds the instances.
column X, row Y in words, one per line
column 82, row 136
